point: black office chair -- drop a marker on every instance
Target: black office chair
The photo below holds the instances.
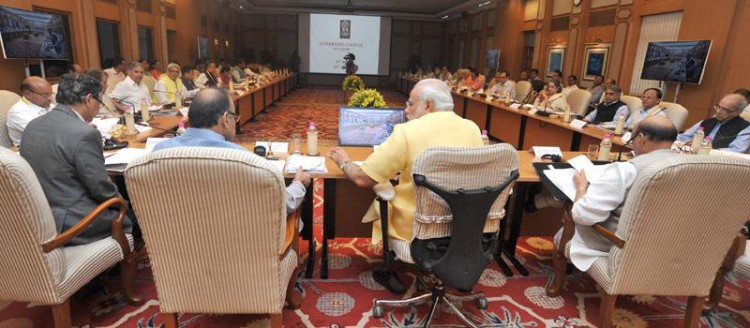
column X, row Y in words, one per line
column 460, row 195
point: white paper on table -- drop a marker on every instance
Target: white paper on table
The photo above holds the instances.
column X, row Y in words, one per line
column 154, row 108
column 563, row 180
column 529, row 106
column 105, row 125
column 152, row 142
column 578, row 124
column 276, row 147
column 278, row 164
column 626, row 137
column 515, row 106
column 125, row 156
column 540, row 151
column 184, row 111
column 581, row 162
column 533, row 111
column 142, row 128
column 315, row 164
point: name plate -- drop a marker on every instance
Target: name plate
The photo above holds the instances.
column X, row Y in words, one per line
column 515, row 106
column 533, row 111
column 626, row 137
column 578, row 124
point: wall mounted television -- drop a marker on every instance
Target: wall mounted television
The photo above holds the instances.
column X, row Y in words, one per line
column 677, row 61
column 33, row 35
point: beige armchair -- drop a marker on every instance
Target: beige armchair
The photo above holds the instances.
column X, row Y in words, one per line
column 634, row 103
column 679, row 213
column 36, row 266
column 522, row 90
column 746, row 115
column 675, row 113
column 7, row 100
column 579, row 101
column 218, row 236
column 736, row 260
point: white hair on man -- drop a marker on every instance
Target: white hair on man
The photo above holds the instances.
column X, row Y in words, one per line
column 437, row 92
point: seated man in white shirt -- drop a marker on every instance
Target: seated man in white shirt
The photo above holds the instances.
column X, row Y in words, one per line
column 132, row 91
column 601, row 201
column 36, row 97
column 729, row 131
column 504, row 85
column 572, row 84
column 209, row 78
column 170, row 85
column 115, row 72
column 650, row 99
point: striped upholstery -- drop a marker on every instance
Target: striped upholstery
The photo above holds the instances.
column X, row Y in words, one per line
column 7, row 100
column 579, row 101
column 27, row 274
column 214, row 220
column 742, row 266
column 452, row 168
column 679, row 212
column 402, row 248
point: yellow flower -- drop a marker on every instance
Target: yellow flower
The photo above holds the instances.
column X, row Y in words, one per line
column 625, row 319
column 540, row 243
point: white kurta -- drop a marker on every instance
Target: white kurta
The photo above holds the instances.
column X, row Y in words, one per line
column 19, row 116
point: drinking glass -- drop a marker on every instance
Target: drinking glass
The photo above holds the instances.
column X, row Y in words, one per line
column 296, row 143
column 593, row 152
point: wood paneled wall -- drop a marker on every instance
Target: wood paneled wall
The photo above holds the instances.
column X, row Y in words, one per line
column 186, row 27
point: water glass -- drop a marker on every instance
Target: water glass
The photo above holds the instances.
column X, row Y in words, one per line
column 296, row 143
column 593, row 152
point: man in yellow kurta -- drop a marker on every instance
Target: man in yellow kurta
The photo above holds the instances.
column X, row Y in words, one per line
column 431, row 122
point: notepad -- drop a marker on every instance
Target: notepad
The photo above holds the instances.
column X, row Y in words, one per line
column 276, row 147
column 540, row 151
column 125, row 156
column 313, row 164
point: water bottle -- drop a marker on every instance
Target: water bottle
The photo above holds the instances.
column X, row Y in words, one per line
column 178, row 100
column 706, row 146
column 485, row 138
column 566, row 116
column 620, row 125
column 130, row 124
column 312, row 140
column 604, row 148
column 145, row 117
column 698, row 139
column 181, row 128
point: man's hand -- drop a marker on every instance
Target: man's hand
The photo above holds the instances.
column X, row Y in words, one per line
column 303, row 177
column 582, row 184
column 338, row 155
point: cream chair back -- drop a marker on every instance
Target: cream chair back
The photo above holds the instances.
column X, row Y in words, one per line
column 7, row 100
column 522, row 90
column 678, row 222
column 579, row 101
column 634, row 103
column 214, row 220
column 675, row 113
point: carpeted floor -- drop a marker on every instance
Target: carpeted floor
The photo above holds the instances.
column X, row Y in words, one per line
column 345, row 299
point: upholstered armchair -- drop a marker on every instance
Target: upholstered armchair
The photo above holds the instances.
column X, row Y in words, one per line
column 460, row 198
column 737, row 260
column 678, row 222
column 36, row 265
column 522, row 90
column 7, row 100
column 579, row 101
column 216, row 229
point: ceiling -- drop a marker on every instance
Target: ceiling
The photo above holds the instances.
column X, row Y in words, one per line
column 411, row 9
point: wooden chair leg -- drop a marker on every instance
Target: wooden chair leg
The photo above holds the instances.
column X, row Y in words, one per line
column 127, row 271
column 559, row 262
column 276, row 320
column 61, row 315
column 293, row 299
column 693, row 311
column 606, row 308
column 714, row 297
column 170, row 320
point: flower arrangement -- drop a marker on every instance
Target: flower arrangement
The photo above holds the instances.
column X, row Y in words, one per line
column 369, row 98
column 353, row 82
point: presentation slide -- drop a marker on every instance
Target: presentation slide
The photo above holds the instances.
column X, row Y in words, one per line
column 337, row 44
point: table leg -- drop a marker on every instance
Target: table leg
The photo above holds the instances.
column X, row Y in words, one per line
column 508, row 247
column 329, row 222
column 307, row 230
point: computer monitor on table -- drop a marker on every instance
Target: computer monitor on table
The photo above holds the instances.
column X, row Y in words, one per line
column 367, row 126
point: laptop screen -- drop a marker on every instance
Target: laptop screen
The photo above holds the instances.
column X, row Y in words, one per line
column 367, row 126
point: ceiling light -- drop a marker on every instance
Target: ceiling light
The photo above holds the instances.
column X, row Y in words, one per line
column 242, row 7
column 444, row 17
column 484, row 3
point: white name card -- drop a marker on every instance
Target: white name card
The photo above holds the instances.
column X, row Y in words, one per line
column 515, row 106
column 578, row 124
column 626, row 137
column 533, row 111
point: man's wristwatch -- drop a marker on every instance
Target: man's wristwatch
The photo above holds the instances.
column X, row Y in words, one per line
column 344, row 164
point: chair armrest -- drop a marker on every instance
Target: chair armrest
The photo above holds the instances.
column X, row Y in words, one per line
column 292, row 230
column 117, row 230
column 384, row 191
column 609, row 235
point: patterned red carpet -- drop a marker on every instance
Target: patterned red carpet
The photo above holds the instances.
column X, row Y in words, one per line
column 345, row 299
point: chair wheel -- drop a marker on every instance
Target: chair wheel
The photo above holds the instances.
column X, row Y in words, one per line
column 377, row 311
column 482, row 303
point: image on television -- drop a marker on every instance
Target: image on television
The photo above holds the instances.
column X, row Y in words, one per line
column 30, row 34
column 367, row 126
column 681, row 61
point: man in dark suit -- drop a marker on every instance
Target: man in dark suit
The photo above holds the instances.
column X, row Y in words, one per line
column 65, row 152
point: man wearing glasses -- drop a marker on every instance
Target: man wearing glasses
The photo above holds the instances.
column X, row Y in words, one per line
column 36, row 98
column 170, row 85
column 213, row 121
column 729, row 131
column 650, row 99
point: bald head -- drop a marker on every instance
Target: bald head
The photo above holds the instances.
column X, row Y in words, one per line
column 208, row 107
column 653, row 133
column 737, row 101
column 37, row 91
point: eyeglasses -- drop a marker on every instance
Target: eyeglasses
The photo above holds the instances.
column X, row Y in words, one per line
column 632, row 139
column 43, row 94
column 726, row 110
column 233, row 117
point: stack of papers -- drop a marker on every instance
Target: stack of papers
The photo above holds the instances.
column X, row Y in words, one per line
column 276, row 147
column 540, row 151
column 314, row 164
column 563, row 178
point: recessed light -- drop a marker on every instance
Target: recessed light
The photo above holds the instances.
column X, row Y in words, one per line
column 242, row 7
column 484, row 3
column 444, row 17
